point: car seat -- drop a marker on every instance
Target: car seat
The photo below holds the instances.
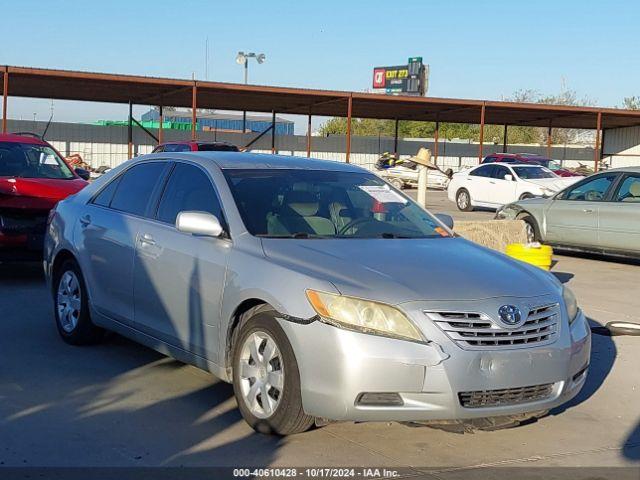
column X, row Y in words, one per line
column 299, row 214
column 634, row 192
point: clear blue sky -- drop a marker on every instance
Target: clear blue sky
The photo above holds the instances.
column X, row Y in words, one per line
column 476, row 49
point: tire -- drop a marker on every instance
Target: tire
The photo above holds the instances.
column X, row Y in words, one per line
column 526, row 195
column 463, row 200
column 71, row 306
column 533, row 232
column 278, row 379
column 396, row 182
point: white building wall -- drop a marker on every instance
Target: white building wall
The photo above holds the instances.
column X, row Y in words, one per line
column 621, row 147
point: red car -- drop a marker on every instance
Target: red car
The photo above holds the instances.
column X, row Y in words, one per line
column 195, row 146
column 552, row 165
column 33, row 178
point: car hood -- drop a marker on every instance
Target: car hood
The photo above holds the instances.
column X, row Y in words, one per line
column 401, row 270
column 555, row 184
column 38, row 193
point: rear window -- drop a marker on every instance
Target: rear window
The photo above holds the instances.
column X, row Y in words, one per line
column 135, row 188
column 217, row 147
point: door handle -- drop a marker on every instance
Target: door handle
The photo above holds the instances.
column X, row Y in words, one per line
column 587, row 210
column 492, row 183
column 147, row 239
column 85, row 220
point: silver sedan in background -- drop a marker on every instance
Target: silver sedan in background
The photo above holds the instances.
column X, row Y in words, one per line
column 315, row 287
column 599, row 214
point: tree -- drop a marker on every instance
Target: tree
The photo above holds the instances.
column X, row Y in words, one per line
column 495, row 133
column 631, row 103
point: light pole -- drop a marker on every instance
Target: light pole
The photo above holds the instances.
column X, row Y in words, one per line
column 243, row 59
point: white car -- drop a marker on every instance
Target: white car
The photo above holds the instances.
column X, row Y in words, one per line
column 493, row 185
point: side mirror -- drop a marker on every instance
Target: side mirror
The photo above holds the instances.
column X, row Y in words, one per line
column 199, row 223
column 446, row 219
column 509, row 177
column 82, row 173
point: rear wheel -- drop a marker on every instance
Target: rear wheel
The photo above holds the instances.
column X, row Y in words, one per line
column 72, row 308
column 266, row 380
column 463, row 200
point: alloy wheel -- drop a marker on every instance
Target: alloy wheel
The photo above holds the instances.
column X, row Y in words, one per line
column 69, row 301
column 463, row 200
column 261, row 374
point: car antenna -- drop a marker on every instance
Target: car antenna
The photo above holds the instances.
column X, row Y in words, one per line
column 49, row 122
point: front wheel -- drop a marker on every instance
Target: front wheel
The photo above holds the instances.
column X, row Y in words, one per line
column 531, row 228
column 266, row 380
column 463, row 200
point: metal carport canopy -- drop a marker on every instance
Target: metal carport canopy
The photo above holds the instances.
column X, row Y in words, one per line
column 102, row 87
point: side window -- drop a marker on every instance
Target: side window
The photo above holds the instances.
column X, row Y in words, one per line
column 490, row 159
column 499, row 172
column 188, row 189
column 177, row 147
column 106, row 194
column 591, row 191
column 629, row 190
column 136, row 187
column 484, row 171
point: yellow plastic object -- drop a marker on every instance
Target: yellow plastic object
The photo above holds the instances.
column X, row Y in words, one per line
column 533, row 253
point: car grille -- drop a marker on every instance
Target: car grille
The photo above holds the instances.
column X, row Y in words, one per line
column 505, row 396
column 477, row 331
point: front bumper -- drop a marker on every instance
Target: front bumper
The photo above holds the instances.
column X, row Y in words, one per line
column 336, row 366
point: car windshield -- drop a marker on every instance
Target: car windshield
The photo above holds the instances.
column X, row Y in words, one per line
column 28, row 160
column 325, row 204
column 530, row 173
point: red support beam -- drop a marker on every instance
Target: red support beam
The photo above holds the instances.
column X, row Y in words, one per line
column 194, row 106
column 160, row 131
column 5, row 95
column 596, row 151
column 504, row 138
column 481, row 132
column 395, row 139
column 273, row 131
column 436, row 138
column 349, row 108
column 549, row 141
column 130, row 131
column 309, row 136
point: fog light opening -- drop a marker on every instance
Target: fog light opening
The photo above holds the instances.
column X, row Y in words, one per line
column 379, row 399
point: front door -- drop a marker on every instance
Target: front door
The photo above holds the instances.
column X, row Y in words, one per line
column 572, row 217
column 503, row 191
column 619, row 218
column 179, row 277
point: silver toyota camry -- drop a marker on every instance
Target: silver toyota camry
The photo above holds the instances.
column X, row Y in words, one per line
column 316, row 288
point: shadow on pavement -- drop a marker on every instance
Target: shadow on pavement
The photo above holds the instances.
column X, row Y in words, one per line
column 603, row 356
column 113, row 404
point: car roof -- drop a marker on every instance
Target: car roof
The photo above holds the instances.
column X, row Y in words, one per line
column 634, row 169
column 259, row 161
column 14, row 138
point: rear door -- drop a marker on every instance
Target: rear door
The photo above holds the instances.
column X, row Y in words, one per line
column 106, row 236
column 619, row 217
column 572, row 217
column 179, row 277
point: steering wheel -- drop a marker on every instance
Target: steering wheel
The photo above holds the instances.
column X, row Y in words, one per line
column 354, row 223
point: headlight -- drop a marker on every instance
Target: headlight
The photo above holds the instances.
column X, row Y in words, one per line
column 363, row 315
column 570, row 303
